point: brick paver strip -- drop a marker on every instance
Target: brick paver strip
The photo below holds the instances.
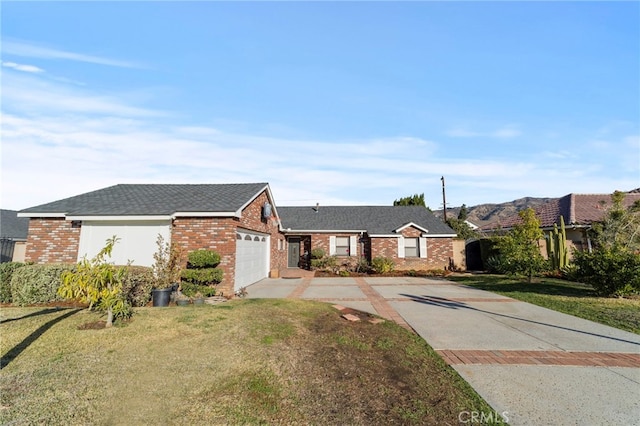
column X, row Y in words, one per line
column 595, row 359
column 297, row 292
column 379, row 303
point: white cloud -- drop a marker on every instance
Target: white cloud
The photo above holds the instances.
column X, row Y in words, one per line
column 31, row 50
column 59, row 141
column 22, row 67
column 505, row 132
column 34, row 95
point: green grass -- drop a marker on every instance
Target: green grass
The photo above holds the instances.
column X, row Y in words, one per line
column 563, row 296
column 243, row 362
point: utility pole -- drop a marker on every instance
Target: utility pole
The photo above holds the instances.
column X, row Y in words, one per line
column 444, row 200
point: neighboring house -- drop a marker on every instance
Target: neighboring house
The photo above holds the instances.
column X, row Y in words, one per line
column 13, row 236
column 579, row 212
column 410, row 235
column 239, row 221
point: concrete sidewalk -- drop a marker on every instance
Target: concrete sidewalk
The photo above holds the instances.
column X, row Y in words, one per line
column 534, row 365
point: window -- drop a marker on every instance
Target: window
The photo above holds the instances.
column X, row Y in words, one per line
column 411, row 247
column 342, row 246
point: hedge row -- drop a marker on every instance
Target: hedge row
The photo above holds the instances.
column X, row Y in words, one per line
column 31, row 284
column 23, row 284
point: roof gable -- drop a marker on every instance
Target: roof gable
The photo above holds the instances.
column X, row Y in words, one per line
column 154, row 199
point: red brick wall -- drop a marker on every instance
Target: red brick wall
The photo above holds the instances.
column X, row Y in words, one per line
column 252, row 220
column 322, row 241
column 211, row 233
column 439, row 251
column 52, row 240
column 219, row 234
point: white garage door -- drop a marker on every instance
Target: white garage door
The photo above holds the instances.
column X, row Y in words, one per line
column 252, row 258
column 137, row 239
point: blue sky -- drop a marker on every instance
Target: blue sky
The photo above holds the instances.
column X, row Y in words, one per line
column 336, row 103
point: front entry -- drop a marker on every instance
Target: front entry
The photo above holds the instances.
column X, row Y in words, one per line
column 294, row 252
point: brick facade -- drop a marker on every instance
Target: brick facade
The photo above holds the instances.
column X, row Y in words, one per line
column 439, row 250
column 52, row 240
column 219, row 234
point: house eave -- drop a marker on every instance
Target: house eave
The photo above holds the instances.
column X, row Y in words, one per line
column 36, row 214
column 237, row 214
column 323, row 231
column 113, row 218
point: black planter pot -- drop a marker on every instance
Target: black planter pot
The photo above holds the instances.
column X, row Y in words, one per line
column 161, row 296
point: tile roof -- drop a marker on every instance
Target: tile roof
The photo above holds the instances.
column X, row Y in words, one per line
column 154, row 199
column 12, row 226
column 375, row 220
column 576, row 209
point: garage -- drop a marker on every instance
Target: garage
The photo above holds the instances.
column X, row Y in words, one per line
column 252, row 257
column 137, row 239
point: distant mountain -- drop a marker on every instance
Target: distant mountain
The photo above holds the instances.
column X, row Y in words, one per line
column 487, row 213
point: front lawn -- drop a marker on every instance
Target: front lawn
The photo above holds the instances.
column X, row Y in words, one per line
column 242, row 362
column 563, row 296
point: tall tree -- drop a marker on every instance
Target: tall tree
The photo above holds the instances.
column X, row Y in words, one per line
column 464, row 213
column 412, row 200
column 620, row 227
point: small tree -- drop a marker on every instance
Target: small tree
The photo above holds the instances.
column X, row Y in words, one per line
column 520, row 250
column 98, row 283
column 168, row 263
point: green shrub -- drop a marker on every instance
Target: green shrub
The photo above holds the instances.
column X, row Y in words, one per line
column 570, row 272
column 496, row 264
column 317, row 253
column 32, row 284
column 381, row 265
column 203, row 259
column 137, row 284
column 191, row 289
column 204, row 276
column 6, row 272
column 344, row 273
column 611, row 271
column 362, row 265
column 326, row 263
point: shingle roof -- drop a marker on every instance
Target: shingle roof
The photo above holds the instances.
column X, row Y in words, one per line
column 154, row 199
column 12, row 226
column 576, row 209
column 376, row 220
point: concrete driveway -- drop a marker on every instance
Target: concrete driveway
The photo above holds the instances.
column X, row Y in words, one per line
column 531, row 364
